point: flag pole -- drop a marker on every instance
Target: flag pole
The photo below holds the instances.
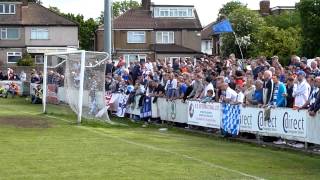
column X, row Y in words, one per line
column 235, row 36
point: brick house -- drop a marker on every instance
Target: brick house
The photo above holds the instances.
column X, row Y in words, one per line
column 156, row 31
column 31, row 28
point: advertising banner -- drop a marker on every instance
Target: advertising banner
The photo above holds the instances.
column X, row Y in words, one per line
column 249, row 119
column 290, row 122
column 204, row 114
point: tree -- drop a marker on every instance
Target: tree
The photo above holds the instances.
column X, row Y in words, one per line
column 270, row 41
column 310, row 21
column 55, row 9
column 228, row 8
column 284, row 20
column 120, row 7
column 245, row 23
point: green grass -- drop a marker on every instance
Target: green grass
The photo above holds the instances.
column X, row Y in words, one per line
column 96, row 150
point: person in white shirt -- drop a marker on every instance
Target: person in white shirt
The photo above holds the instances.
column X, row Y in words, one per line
column 149, row 65
column 208, row 86
column 23, row 76
column 240, row 95
column 301, row 90
column 230, row 94
column 171, row 86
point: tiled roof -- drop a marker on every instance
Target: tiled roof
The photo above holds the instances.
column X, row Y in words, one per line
column 142, row 19
column 207, row 32
column 35, row 14
column 134, row 19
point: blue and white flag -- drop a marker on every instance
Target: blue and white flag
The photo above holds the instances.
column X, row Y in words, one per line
column 122, row 105
column 231, row 119
column 145, row 111
column 222, row 27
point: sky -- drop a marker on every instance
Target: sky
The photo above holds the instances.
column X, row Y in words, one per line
column 206, row 9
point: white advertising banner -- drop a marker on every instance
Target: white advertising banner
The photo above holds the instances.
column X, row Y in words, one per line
column 204, row 114
column 163, row 110
column 290, row 122
column 249, row 119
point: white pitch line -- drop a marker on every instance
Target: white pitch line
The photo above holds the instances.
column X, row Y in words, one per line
column 159, row 149
column 172, row 152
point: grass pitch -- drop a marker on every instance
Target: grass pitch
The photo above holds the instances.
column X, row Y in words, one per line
column 37, row 146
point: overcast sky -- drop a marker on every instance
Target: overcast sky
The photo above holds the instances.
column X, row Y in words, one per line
column 207, row 9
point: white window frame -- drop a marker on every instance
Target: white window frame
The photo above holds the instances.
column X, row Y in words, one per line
column 18, row 54
column 35, row 59
column 37, row 31
column 163, row 34
column 140, row 56
column 12, row 8
column 136, row 33
column 177, row 12
column 6, row 34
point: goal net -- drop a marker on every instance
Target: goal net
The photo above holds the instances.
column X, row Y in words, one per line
column 76, row 78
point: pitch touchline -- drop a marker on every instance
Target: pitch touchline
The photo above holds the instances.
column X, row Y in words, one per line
column 171, row 152
column 157, row 149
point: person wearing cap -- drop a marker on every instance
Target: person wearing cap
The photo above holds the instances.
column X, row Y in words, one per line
column 301, row 90
column 315, row 105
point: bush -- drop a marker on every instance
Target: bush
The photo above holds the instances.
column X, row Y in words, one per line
column 26, row 60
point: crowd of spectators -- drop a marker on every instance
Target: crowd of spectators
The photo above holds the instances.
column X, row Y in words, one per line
column 251, row 82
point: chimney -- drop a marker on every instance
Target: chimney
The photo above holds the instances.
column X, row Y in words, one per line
column 24, row 2
column 146, row 4
column 265, row 7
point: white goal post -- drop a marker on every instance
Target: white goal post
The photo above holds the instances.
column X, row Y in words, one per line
column 83, row 74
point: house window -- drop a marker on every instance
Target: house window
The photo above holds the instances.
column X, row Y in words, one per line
column 165, row 37
column 39, row 33
column 173, row 12
column 136, row 37
column 13, row 57
column 39, row 59
column 208, row 45
column 7, row 8
column 134, row 57
column 10, row 33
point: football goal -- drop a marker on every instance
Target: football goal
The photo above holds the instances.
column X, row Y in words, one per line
column 76, row 78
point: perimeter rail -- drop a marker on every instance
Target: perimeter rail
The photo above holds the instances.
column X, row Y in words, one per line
column 278, row 122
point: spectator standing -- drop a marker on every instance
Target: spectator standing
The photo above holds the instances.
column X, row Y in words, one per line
column 301, row 91
column 279, row 93
column 290, row 98
column 268, row 87
column 314, row 107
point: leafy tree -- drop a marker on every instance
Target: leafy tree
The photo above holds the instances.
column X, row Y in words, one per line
column 285, row 20
column 55, row 9
column 310, row 21
column 245, row 23
column 228, row 8
column 272, row 41
column 119, row 7
column 26, row 60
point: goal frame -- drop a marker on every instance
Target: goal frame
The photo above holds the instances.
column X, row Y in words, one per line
column 82, row 71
